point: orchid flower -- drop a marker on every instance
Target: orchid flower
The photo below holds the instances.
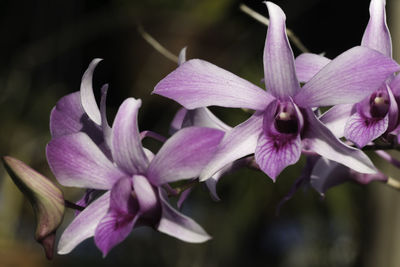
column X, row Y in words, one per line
column 131, row 176
column 283, row 124
column 376, row 114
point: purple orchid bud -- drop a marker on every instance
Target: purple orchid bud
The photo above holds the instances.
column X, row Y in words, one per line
column 46, row 199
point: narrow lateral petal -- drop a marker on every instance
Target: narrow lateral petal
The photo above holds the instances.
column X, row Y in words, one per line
column 182, row 56
column 198, row 83
column 275, row 153
column 318, row 138
column 87, row 96
column 377, row 35
column 177, row 121
column 127, row 149
column 68, row 117
column 308, row 64
column 279, row 71
column 76, row 161
column 349, row 78
column 113, row 229
column 238, row 142
column 104, row 123
column 335, row 118
column 362, row 130
column 178, row 225
column 84, row 225
column 145, row 193
column 203, row 117
column 393, row 111
column 184, row 155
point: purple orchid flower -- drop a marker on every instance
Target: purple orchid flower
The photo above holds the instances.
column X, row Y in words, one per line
column 90, row 154
column 283, row 123
column 378, row 112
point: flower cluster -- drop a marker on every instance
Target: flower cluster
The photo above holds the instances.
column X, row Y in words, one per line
column 127, row 185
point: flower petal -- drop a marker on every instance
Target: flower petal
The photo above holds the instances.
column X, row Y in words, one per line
column 349, row 78
column 76, row 161
column 176, row 224
column 177, row 121
column 113, row 228
column 145, row 193
column 318, row 138
column 237, row 143
column 127, row 149
column 393, row 112
column 308, row 64
column 279, row 71
column 362, row 130
column 68, row 117
column 184, row 155
column 182, row 56
column 274, row 153
column 120, row 219
column 376, row 35
column 335, row 118
column 327, row 174
column 203, row 117
column 87, row 96
column 198, row 83
column 395, row 85
column 84, row 225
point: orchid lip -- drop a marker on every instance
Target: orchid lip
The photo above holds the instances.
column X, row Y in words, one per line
column 379, row 104
column 286, row 119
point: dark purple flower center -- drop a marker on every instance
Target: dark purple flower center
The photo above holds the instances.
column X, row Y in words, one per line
column 286, row 120
column 379, row 104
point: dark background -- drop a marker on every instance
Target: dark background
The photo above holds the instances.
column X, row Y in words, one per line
column 45, row 46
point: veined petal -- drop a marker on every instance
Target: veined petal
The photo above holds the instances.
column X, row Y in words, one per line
column 116, row 225
column 84, row 225
column 349, row 78
column 318, row 138
column 274, row 153
column 376, row 35
column 180, row 226
column 203, row 117
column 362, row 130
column 184, row 155
column 238, row 142
column 68, row 117
column 335, row 118
column 113, row 229
column 87, row 96
column 145, row 194
column 198, row 83
column 308, row 64
column 127, row 149
column 76, row 161
column 279, row 71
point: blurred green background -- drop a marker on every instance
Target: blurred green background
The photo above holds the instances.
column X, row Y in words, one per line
column 45, row 47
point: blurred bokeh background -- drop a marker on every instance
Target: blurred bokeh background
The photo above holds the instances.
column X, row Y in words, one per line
column 45, row 47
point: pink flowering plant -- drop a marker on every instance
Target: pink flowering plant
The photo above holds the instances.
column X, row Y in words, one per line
column 128, row 185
